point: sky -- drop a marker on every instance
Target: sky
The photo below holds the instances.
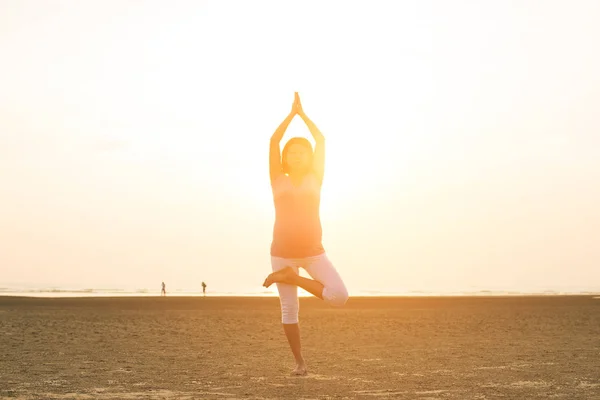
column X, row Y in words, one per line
column 463, row 141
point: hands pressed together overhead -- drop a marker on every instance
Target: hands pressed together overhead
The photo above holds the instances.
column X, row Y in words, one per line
column 275, row 151
column 297, row 106
column 298, row 110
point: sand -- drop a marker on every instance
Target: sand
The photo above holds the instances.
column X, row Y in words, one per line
column 234, row 348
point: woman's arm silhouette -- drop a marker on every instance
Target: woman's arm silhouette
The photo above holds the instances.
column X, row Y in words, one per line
column 319, row 155
column 275, row 168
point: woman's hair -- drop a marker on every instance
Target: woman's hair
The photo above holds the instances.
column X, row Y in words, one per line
column 295, row 140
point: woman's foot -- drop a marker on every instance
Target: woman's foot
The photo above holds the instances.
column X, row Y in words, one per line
column 284, row 275
column 300, row 370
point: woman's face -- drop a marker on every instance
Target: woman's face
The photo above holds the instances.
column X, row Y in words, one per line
column 298, row 157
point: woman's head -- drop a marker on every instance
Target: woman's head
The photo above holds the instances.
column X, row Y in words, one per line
column 297, row 156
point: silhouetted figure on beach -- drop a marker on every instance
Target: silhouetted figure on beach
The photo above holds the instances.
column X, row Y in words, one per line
column 204, row 288
column 296, row 177
column 163, row 290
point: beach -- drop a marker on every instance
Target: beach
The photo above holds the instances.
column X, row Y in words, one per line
column 234, row 348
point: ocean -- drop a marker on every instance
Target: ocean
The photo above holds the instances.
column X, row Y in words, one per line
column 15, row 290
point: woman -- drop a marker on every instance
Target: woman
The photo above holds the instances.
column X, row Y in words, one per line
column 296, row 177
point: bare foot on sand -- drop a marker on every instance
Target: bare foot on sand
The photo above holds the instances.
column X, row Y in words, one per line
column 300, row 370
column 284, row 275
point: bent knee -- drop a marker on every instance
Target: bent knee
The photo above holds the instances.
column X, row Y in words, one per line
column 335, row 297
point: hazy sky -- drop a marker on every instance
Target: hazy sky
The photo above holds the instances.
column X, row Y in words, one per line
column 463, row 140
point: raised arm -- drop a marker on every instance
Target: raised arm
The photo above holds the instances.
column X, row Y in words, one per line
column 319, row 156
column 275, row 168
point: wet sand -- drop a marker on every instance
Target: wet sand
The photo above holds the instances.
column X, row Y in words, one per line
column 234, row 348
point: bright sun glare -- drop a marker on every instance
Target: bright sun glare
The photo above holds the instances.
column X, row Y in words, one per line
column 439, row 126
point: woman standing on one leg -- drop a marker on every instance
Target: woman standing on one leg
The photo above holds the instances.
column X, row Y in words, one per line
column 296, row 178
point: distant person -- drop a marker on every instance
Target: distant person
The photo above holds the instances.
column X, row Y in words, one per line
column 204, row 288
column 163, row 290
column 296, row 178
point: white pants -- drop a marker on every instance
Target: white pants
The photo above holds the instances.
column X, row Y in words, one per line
column 321, row 270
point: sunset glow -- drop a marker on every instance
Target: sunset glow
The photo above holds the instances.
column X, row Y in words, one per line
column 460, row 156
